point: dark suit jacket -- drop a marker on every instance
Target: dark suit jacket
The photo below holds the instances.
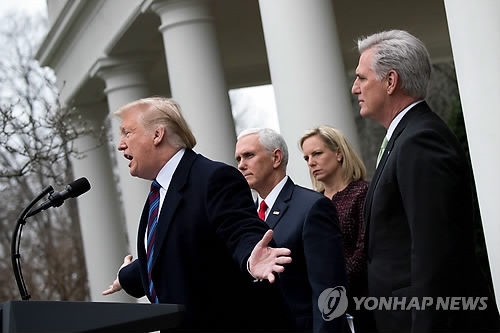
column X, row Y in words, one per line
column 206, row 231
column 306, row 222
column 419, row 216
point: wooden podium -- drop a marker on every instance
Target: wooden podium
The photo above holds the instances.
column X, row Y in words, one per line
column 61, row 316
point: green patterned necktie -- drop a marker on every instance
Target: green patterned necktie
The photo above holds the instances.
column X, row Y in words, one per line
column 382, row 149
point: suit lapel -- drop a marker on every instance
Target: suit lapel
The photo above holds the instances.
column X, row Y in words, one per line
column 281, row 204
column 413, row 112
column 173, row 199
column 141, row 250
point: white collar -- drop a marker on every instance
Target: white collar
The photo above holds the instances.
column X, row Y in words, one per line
column 164, row 177
column 273, row 195
column 397, row 119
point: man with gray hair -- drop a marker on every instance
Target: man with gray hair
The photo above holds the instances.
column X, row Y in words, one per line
column 304, row 221
column 198, row 233
column 419, row 206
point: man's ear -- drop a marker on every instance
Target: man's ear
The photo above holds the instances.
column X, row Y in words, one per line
column 159, row 135
column 392, row 80
column 277, row 158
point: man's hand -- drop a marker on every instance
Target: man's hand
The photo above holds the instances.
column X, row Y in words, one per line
column 116, row 284
column 264, row 260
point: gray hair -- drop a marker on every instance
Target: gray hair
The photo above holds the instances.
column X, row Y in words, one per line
column 402, row 52
column 270, row 140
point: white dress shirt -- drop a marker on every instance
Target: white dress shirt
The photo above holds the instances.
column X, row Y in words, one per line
column 164, row 178
column 394, row 123
column 272, row 196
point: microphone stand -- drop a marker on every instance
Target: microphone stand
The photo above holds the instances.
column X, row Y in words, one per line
column 16, row 241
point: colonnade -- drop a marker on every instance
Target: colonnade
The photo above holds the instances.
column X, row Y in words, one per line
column 197, row 82
column 309, row 81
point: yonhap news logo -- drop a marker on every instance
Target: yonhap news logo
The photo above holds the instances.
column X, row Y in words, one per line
column 332, row 303
column 421, row 303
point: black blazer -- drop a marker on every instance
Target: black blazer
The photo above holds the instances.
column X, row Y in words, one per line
column 306, row 222
column 419, row 222
column 207, row 229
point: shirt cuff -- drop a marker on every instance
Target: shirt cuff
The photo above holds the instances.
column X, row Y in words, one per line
column 248, row 269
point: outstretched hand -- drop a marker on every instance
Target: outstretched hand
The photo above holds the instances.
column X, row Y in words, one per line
column 265, row 261
column 115, row 286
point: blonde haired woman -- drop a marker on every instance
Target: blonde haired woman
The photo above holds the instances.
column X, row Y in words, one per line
column 338, row 172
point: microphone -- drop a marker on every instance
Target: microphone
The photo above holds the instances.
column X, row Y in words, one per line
column 56, row 199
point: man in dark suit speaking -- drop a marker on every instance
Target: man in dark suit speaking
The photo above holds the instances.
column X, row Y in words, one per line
column 199, row 232
column 304, row 221
column 419, row 206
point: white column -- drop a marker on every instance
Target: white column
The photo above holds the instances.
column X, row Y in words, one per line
column 103, row 231
column 196, row 74
column 476, row 47
column 307, row 72
column 125, row 82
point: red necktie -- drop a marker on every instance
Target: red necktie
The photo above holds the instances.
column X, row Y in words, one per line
column 262, row 210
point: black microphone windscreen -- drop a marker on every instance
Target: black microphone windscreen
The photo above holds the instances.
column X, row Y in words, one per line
column 79, row 186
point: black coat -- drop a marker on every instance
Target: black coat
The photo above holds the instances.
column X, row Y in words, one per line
column 419, row 222
column 207, row 229
column 306, row 222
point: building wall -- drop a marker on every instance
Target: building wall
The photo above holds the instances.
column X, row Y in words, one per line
column 110, row 52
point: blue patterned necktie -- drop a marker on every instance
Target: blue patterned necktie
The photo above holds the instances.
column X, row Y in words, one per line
column 154, row 204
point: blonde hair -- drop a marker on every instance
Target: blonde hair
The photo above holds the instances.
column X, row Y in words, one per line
column 352, row 166
column 163, row 112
